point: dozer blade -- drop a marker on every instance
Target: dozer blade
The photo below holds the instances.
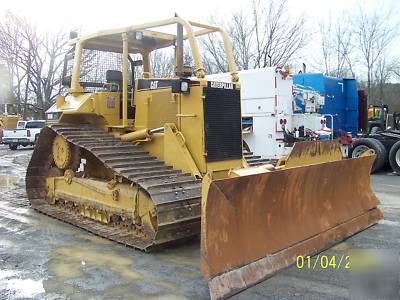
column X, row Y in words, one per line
column 256, row 224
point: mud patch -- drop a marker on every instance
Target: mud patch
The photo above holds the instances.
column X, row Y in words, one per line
column 77, row 259
column 7, row 182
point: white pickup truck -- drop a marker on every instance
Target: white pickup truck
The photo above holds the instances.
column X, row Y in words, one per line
column 25, row 136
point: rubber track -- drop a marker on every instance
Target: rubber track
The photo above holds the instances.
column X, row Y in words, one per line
column 176, row 195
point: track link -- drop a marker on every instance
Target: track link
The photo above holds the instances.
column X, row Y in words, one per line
column 176, row 195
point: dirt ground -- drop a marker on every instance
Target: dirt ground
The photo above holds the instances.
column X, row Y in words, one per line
column 42, row 258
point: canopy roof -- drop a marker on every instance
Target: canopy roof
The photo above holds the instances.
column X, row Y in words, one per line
column 152, row 37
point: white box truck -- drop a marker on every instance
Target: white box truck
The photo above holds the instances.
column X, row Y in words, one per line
column 268, row 111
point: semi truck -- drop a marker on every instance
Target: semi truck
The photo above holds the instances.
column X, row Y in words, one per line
column 382, row 134
column 340, row 100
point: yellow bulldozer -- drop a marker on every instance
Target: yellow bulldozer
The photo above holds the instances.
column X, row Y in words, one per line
column 8, row 118
column 147, row 161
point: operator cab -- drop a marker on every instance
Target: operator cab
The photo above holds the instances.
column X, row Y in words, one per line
column 114, row 66
column 101, row 66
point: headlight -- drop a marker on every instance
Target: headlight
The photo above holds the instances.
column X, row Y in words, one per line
column 184, row 86
column 181, row 85
column 53, row 116
column 138, row 35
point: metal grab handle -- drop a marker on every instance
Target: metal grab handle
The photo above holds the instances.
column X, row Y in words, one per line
column 178, row 133
column 186, row 115
column 93, row 104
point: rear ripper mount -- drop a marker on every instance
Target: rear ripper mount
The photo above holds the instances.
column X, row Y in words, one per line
column 176, row 195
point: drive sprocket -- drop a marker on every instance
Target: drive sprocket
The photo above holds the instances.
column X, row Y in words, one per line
column 65, row 154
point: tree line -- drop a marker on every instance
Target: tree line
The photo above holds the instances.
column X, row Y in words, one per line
column 356, row 45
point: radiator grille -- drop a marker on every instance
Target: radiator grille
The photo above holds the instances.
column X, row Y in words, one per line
column 222, row 122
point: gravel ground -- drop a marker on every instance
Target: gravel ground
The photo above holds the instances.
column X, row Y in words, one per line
column 42, row 258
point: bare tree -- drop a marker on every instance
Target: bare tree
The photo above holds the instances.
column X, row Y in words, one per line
column 337, row 47
column 325, row 31
column 162, row 63
column 396, row 68
column 241, row 33
column 267, row 36
column 374, row 33
column 47, row 69
column 278, row 36
column 12, row 50
column 35, row 61
column 383, row 72
column 213, row 51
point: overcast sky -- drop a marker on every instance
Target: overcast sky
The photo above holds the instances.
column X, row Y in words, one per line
column 89, row 15
column 100, row 14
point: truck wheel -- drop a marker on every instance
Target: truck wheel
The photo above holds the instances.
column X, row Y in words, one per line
column 394, row 157
column 36, row 139
column 246, row 147
column 376, row 129
column 359, row 146
column 13, row 146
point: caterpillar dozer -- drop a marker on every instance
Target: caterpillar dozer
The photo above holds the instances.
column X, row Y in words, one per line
column 146, row 161
column 8, row 118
